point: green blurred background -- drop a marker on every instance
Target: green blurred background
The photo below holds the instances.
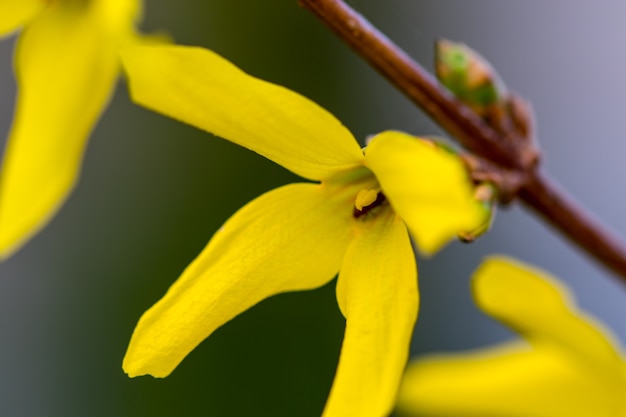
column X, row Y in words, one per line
column 153, row 191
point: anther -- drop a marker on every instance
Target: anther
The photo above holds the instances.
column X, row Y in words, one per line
column 366, row 200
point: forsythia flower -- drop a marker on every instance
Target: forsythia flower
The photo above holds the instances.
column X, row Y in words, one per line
column 299, row 236
column 66, row 66
column 568, row 365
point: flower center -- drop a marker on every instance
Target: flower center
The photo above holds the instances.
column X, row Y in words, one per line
column 366, row 200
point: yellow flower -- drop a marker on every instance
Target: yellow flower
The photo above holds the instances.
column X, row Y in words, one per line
column 299, row 236
column 568, row 366
column 66, row 65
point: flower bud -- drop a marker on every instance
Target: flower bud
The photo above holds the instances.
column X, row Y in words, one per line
column 468, row 76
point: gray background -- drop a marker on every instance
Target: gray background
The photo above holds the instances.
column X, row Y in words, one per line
column 153, row 191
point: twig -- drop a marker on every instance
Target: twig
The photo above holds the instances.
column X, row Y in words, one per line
column 544, row 197
column 536, row 191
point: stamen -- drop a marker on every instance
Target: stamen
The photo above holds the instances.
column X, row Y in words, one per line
column 366, row 200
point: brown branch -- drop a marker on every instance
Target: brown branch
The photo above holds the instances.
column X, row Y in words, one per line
column 543, row 196
column 537, row 191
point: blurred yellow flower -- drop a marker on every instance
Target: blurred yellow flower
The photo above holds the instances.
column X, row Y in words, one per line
column 299, row 236
column 66, row 66
column 567, row 365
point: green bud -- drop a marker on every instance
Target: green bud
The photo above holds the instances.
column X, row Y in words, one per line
column 468, row 76
column 486, row 193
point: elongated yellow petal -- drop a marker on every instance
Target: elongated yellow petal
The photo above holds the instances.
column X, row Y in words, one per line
column 509, row 381
column 377, row 292
column 292, row 238
column 426, row 186
column 201, row 88
column 569, row 368
column 117, row 18
column 539, row 308
column 15, row 13
column 66, row 66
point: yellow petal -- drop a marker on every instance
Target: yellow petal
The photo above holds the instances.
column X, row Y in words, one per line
column 117, row 17
column 508, row 381
column 201, row 88
column 292, row 238
column 569, row 369
column 428, row 187
column 535, row 305
column 377, row 292
column 66, row 67
column 15, row 13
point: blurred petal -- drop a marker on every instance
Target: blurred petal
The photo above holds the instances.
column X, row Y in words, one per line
column 509, row 381
column 15, row 13
column 428, row 187
column 117, row 17
column 503, row 287
column 66, row 66
column 292, row 238
column 569, row 369
column 377, row 292
column 199, row 87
